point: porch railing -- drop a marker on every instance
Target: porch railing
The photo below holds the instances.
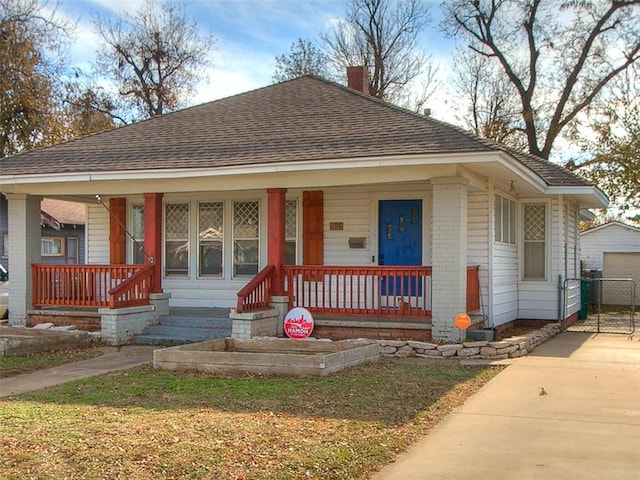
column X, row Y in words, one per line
column 90, row 286
column 256, row 295
column 369, row 291
column 133, row 291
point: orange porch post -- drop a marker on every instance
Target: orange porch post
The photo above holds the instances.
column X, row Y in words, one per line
column 276, row 233
column 153, row 236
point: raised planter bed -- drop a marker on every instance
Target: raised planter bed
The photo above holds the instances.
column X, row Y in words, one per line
column 266, row 356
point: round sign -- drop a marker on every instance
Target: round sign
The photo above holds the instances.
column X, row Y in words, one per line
column 462, row 321
column 298, row 323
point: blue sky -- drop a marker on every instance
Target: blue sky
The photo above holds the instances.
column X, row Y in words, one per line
column 249, row 34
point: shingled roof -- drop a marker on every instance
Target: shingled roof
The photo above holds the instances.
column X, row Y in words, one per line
column 306, row 119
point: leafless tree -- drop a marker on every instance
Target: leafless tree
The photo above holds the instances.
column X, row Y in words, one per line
column 155, row 57
column 558, row 55
column 491, row 106
column 383, row 36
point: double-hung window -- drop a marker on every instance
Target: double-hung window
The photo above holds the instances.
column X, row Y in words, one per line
column 290, row 228
column 534, row 241
column 210, row 239
column 246, row 223
column 504, row 219
column 176, row 236
column 137, row 232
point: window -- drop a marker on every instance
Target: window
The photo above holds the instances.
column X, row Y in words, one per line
column 72, row 250
column 504, row 220
column 534, row 241
column 176, row 239
column 290, row 229
column 5, row 245
column 137, row 232
column 210, row 238
column 52, row 246
column 246, row 221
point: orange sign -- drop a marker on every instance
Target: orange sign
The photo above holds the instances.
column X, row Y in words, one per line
column 462, row 321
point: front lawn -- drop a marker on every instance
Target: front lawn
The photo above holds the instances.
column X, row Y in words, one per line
column 146, row 424
column 12, row 365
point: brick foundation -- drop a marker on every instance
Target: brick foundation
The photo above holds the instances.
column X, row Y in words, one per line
column 346, row 333
column 85, row 321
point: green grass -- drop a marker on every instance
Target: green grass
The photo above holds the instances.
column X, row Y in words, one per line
column 146, row 424
column 12, row 365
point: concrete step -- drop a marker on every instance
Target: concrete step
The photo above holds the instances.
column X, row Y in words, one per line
column 168, row 340
column 197, row 322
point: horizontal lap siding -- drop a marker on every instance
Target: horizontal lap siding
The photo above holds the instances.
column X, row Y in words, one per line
column 353, row 210
column 505, row 283
column 478, row 241
column 97, row 234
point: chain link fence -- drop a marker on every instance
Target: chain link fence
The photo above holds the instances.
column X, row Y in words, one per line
column 604, row 305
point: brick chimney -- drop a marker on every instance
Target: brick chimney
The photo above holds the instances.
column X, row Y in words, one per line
column 358, row 79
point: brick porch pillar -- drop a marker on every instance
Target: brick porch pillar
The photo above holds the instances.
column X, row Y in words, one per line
column 153, row 236
column 24, row 249
column 276, row 235
column 449, row 253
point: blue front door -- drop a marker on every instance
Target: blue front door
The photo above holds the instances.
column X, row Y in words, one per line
column 400, row 240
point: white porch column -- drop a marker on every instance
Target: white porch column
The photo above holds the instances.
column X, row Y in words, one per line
column 24, row 249
column 449, row 254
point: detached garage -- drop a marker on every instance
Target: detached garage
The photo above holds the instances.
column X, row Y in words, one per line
column 613, row 248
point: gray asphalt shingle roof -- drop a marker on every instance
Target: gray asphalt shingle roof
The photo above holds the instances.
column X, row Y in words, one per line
column 305, row 119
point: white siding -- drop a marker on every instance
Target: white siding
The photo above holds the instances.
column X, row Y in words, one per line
column 97, row 234
column 478, row 241
column 609, row 238
column 505, row 283
column 353, row 210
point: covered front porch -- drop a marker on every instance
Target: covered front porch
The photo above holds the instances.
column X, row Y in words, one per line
column 417, row 300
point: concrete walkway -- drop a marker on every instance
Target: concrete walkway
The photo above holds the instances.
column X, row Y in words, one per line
column 585, row 424
column 113, row 359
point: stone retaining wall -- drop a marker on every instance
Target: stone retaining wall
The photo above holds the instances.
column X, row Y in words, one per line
column 512, row 347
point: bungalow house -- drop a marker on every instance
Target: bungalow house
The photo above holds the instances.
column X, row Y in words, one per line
column 61, row 234
column 382, row 221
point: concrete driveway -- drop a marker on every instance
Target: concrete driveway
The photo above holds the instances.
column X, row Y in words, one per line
column 570, row 410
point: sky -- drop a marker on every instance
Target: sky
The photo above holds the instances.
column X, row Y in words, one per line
column 249, row 35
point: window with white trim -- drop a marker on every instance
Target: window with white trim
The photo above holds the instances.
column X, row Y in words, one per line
column 290, row 229
column 504, row 219
column 534, row 233
column 137, row 232
column 176, row 243
column 246, row 241
column 210, row 239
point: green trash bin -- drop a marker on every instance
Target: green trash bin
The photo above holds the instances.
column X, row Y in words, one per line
column 584, row 299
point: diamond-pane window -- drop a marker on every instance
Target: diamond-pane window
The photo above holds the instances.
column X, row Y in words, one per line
column 137, row 232
column 210, row 238
column 176, row 239
column 290, row 228
column 534, row 241
column 246, row 222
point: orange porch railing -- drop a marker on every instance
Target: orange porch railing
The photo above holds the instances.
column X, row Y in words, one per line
column 256, row 295
column 91, row 286
column 380, row 291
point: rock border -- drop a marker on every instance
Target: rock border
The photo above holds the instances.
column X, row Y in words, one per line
column 512, row 347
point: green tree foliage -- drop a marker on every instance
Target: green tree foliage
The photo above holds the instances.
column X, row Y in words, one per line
column 559, row 56
column 612, row 141
column 31, row 61
column 155, row 57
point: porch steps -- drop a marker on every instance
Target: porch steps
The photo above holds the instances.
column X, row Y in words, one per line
column 187, row 325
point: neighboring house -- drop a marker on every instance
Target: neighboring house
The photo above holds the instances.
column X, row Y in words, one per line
column 614, row 249
column 350, row 206
column 61, row 234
